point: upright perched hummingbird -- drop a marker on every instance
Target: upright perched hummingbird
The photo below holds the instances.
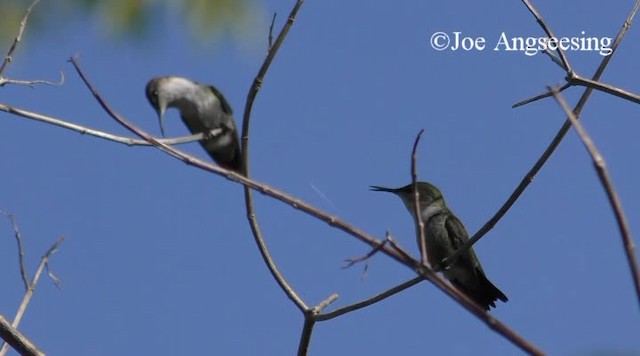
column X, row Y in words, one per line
column 203, row 109
column 444, row 234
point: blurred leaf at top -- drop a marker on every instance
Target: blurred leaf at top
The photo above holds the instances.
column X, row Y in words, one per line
column 120, row 19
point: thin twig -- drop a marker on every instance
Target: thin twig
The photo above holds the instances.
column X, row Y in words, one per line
column 23, row 25
column 101, row 134
column 561, row 61
column 32, row 288
column 17, row 340
column 325, row 303
column 349, row 262
column 554, row 58
column 404, row 254
column 416, row 207
column 273, row 21
column 9, row 57
column 601, row 168
column 369, row 301
column 547, row 30
column 574, row 79
column 538, row 97
column 603, row 87
column 257, row 82
column 528, row 178
column 32, row 83
column 18, row 235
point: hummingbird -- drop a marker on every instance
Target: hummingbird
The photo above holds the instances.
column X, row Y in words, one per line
column 444, row 233
column 202, row 108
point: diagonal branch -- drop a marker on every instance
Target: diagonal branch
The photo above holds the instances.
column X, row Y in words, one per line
column 17, row 340
column 18, row 235
column 563, row 59
column 601, row 167
column 546, row 94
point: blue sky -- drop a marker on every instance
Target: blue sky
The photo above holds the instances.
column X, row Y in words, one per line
column 159, row 258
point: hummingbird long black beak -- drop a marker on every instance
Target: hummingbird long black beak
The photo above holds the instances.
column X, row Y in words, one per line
column 161, row 109
column 377, row 188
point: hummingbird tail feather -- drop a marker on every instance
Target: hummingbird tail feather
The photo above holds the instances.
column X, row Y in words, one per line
column 234, row 164
column 484, row 293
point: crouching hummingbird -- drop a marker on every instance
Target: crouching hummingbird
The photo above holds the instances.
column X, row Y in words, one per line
column 204, row 110
column 444, row 233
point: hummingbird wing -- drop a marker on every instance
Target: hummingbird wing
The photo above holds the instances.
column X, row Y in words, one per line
column 223, row 102
column 467, row 272
column 224, row 147
column 458, row 236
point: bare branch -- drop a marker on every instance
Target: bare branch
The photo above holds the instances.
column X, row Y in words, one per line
column 606, row 88
column 405, row 255
column 369, row 301
column 273, row 21
column 538, row 97
column 325, row 303
column 17, row 340
column 349, row 262
column 9, row 57
column 416, row 208
column 309, row 323
column 305, row 337
column 14, row 45
column 574, row 79
column 547, row 30
column 18, row 235
column 601, row 168
column 32, row 288
column 32, row 83
column 101, row 134
column 554, row 58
